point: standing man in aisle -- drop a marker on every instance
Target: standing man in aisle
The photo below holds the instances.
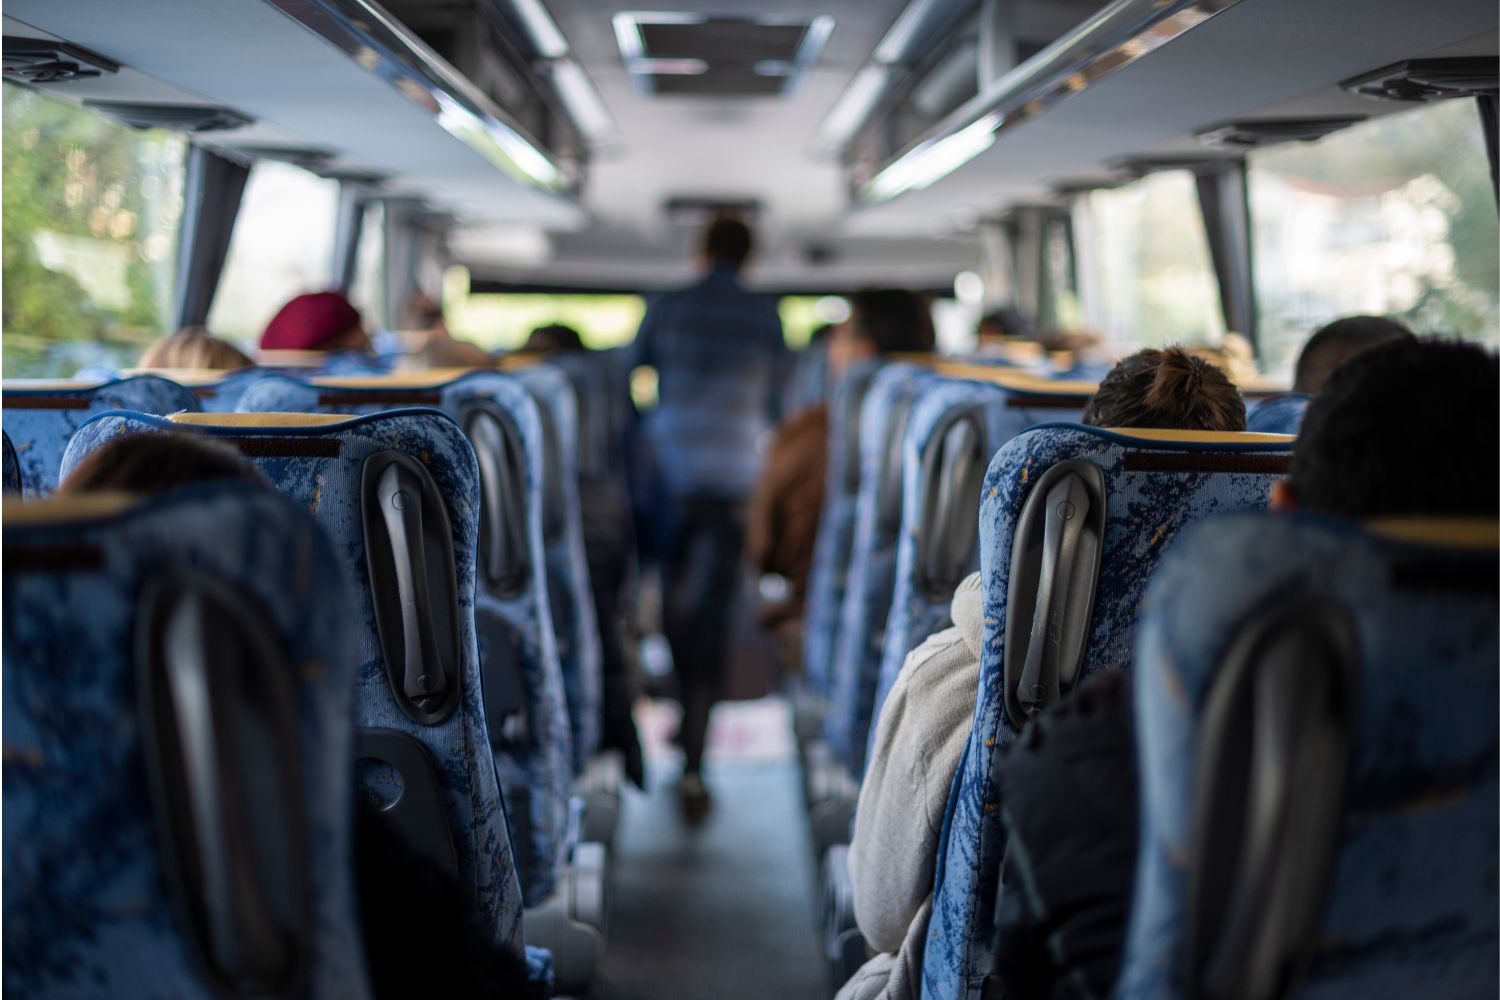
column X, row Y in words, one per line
column 719, row 357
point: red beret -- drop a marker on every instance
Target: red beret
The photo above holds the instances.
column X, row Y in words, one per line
column 308, row 322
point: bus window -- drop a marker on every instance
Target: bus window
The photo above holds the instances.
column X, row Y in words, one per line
column 1394, row 216
column 802, row 314
column 367, row 292
column 1154, row 279
column 282, row 246
column 91, row 218
column 503, row 320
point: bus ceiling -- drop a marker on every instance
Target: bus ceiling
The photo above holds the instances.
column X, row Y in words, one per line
column 559, row 140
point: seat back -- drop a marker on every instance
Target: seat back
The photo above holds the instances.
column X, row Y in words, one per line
column 40, row 417
column 571, row 597
column 809, row 382
column 524, row 692
column 1060, row 600
column 1318, row 743
column 1277, row 414
column 830, row 562
column 955, row 427
column 398, row 493
column 884, row 418
column 178, row 686
column 218, row 391
column 10, row 466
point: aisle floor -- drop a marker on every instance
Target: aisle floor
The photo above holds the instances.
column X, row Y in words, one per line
column 724, row 911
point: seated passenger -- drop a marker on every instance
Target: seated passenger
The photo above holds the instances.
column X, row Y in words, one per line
column 1068, row 786
column 1339, row 341
column 788, row 498
column 925, row 722
column 421, row 932
column 554, row 338
column 446, row 352
column 318, row 321
column 194, row 347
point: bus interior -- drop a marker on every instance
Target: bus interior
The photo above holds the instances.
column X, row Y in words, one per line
column 570, row 498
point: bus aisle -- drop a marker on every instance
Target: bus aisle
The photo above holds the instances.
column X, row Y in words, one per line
column 720, row 911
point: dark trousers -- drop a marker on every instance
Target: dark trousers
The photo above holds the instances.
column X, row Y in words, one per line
column 700, row 585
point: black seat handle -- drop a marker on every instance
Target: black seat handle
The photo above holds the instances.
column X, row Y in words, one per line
column 401, row 506
column 413, row 584
column 1274, row 750
column 217, row 709
column 1054, row 575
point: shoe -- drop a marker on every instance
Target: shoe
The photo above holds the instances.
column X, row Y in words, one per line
column 693, row 798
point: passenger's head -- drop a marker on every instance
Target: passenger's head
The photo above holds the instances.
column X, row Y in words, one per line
column 727, row 242
column 1404, row 429
column 1001, row 324
column 1166, row 388
column 1338, row 342
column 318, row 321
column 446, row 352
column 194, row 347
column 157, row 462
column 423, row 313
column 882, row 321
column 554, row 338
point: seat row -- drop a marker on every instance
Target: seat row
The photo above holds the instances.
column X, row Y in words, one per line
column 441, row 483
column 940, row 470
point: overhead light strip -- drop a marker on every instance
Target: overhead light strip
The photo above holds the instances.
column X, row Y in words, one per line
column 384, row 48
column 1116, row 36
column 544, row 32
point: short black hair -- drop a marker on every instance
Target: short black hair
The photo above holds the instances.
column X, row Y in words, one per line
column 152, row 462
column 1166, row 388
column 895, row 320
column 728, row 241
column 554, row 338
column 1339, row 341
column 1404, row 429
column 1005, row 322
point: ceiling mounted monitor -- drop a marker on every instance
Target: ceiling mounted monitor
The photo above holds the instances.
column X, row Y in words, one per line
column 697, row 55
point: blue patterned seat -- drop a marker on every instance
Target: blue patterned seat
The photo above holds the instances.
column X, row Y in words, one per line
column 41, row 417
column 872, row 559
column 1398, row 898
column 830, row 561
column 571, row 598
column 955, row 427
column 94, row 905
column 1153, row 484
column 10, row 466
column 567, row 613
column 512, row 614
column 320, row 462
column 1277, row 414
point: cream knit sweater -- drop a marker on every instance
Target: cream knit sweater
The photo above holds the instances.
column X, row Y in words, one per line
column 918, row 742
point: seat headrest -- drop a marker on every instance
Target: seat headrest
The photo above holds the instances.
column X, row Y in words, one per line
column 65, row 509
column 1473, row 533
column 1168, row 435
column 261, row 419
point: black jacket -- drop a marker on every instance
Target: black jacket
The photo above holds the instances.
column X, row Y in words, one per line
column 1069, row 806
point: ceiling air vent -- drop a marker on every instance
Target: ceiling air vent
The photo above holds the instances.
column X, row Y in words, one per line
column 1269, row 132
column 177, row 117
column 697, row 55
column 40, row 60
column 1428, row 79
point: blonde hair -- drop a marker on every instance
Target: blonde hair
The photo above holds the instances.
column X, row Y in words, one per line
column 194, row 347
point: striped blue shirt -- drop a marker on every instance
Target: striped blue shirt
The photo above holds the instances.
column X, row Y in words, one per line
column 719, row 357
